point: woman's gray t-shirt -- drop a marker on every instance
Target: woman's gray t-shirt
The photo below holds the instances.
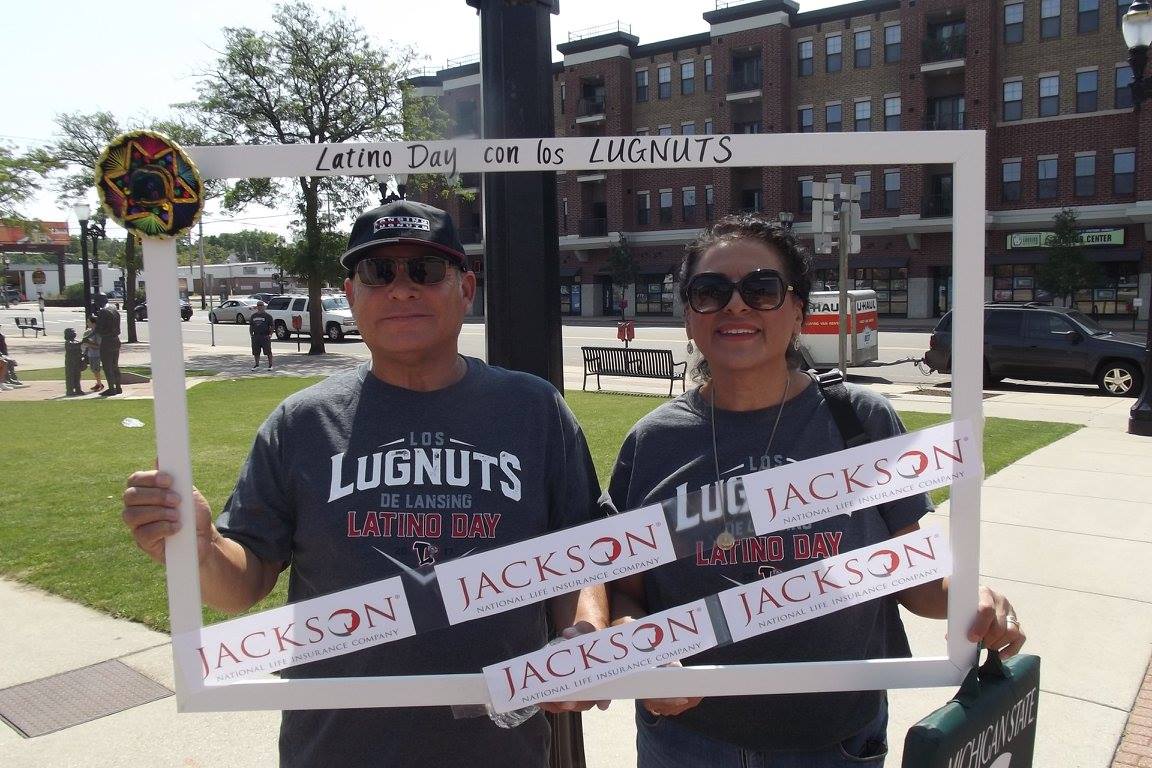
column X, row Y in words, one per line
column 668, row 455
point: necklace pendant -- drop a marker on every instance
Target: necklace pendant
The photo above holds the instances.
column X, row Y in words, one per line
column 726, row 540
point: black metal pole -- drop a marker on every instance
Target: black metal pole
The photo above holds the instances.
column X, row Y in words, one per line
column 95, row 259
column 84, row 265
column 521, row 263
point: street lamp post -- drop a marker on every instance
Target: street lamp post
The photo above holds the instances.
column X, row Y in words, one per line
column 83, row 211
column 786, row 218
column 1137, row 27
column 96, row 232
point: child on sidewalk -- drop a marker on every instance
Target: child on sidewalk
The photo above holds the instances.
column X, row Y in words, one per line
column 74, row 357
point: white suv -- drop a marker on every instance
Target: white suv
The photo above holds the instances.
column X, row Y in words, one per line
column 338, row 320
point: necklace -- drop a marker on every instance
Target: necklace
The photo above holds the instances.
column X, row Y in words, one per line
column 726, row 539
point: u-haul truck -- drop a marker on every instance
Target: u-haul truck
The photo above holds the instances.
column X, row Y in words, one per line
column 820, row 341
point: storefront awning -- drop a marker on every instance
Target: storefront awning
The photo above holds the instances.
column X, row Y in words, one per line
column 1100, row 256
column 824, row 261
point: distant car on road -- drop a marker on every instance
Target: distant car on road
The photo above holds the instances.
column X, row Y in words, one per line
column 12, row 295
column 264, row 297
column 141, row 310
column 1037, row 342
column 233, row 311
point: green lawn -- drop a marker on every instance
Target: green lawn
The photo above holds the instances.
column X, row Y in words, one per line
column 65, row 463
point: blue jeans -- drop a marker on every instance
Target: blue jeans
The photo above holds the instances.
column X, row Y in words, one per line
column 662, row 743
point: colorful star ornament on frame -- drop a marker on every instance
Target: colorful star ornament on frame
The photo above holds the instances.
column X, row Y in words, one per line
column 149, row 185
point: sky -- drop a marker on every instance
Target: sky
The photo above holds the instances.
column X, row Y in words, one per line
column 63, row 57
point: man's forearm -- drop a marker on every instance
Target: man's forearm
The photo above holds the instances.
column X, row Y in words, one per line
column 232, row 578
column 589, row 604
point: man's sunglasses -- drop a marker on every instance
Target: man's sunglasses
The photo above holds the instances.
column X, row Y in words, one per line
column 383, row 270
column 708, row 292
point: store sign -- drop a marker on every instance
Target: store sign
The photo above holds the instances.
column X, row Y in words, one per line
column 39, row 278
column 1087, row 236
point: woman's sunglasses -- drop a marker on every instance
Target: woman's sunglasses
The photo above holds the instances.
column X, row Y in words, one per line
column 383, row 270
column 708, row 292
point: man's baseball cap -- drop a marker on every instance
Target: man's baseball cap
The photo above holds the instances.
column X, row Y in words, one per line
column 403, row 221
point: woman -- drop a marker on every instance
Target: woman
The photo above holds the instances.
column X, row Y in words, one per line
column 745, row 285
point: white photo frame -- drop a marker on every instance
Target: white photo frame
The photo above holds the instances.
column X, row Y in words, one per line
column 964, row 150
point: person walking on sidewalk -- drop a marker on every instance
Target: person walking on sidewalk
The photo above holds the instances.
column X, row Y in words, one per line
column 260, row 329
column 108, row 327
column 526, row 471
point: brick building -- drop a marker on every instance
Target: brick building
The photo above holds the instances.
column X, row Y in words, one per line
column 1047, row 79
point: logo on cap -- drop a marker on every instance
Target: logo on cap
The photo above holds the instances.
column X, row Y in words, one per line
column 402, row 222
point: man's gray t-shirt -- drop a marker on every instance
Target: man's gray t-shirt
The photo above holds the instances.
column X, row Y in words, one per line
column 354, row 480
column 669, row 454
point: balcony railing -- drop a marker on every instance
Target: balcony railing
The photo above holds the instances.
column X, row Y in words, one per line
column 751, row 126
column 593, row 227
column 468, row 235
column 944, row 49
column 949, row 122
column 935, row 206
column 590, row 107
column 745, row 81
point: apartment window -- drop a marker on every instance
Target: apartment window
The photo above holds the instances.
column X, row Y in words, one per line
column 804, row 120
column 862, row 49
column 1013, row 100
column 1047, row 178
column 1121, row 9
column 892, row 190
column 709, row 203
column 863, row 120
column 892, row 43
column 804, row 58
column 664, row 130
column 892, row 113
column 688, row 203
column 805, row 193
column 1087, row 90
column 688, row 129
column 1085, row 181
column 708, row 74
column 643, row 208
column 1087, row 15
column 833, row 118
column 564, row 216
column 1049, row 18
column 664, row 82
column 833, row 53
column 709, row 127
column 641, row 85
column 863, row 182
column 1124, row 172
column 1122, row 86
column 665, row 206
column 1049, row 96
column 641, row 131
column 1014, row 23
column 563, row 96
column 687, row 78
column 1010, row 181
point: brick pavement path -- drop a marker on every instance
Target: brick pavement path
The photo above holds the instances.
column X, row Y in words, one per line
column 1135, row 748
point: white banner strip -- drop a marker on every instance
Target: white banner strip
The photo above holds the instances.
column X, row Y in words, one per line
column 332, row 625
column 554, row 564
column 567, row 666
column 839, row 483
column 836, row 583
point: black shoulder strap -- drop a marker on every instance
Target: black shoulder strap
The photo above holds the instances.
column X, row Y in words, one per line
column 836, row 395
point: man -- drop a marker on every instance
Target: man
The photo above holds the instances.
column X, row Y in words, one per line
column 420, row 456
column 260, row 328
column 107, row 325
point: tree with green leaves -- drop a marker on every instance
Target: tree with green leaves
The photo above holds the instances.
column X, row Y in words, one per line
column 20, row 178
column 622, row 267
column 312, row 79
column 1067, row 269
column 80, row 138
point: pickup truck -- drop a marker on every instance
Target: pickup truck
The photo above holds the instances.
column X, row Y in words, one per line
column 338, row 320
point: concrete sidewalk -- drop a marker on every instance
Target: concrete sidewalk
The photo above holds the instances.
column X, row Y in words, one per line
column 1066, row 533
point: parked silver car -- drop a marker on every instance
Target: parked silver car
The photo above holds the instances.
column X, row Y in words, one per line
column 233, row 311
